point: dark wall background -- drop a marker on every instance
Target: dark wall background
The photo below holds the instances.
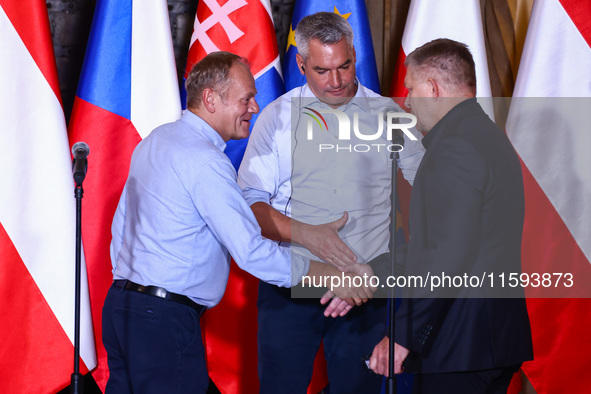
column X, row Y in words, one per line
column 70, row 22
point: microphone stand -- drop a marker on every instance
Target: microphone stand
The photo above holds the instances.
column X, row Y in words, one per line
column 77, row 383
column 391, row 379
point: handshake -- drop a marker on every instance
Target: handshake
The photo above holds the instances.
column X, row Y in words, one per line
column 353, row 284
column 347, row 286
column 348, row 282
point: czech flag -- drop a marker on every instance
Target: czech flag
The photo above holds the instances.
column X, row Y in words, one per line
column 128, row 86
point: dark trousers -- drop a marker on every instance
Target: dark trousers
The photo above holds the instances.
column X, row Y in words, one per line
column 153, row 345
column 490, row 381
column 290, row 332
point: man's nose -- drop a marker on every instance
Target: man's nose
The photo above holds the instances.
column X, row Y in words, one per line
column 335, row 79
column 253, row 106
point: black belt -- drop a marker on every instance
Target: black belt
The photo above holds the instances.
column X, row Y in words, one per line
column 159, row 292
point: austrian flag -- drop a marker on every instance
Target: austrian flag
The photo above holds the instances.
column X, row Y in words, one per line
column 37, row 213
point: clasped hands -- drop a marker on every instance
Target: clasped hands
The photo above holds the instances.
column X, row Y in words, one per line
column 323, row 241
column 348, row 294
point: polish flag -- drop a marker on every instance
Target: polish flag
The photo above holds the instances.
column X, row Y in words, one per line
column 548, row 124
column 458, row 20
column 37, row 213
column 128, row 86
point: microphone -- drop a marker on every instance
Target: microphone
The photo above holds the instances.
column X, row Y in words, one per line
column 80, row 152
column 392, row 116
column 398, row 137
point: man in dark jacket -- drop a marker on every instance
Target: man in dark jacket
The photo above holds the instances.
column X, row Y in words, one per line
column 466, row 220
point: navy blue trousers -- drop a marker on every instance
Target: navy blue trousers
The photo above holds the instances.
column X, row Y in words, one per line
column 153, row 345
column 290, row 332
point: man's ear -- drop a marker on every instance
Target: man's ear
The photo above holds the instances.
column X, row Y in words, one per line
column 300, row 63
column 209, row 99
column 433, row 87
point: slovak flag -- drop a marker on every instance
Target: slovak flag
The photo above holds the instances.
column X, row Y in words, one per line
column 458, row 20
column 37, row 213
column 548, row 124
column 244, row 28
column 128, row 86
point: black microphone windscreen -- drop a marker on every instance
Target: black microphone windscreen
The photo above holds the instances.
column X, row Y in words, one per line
column 80, row 149
column 397, row 135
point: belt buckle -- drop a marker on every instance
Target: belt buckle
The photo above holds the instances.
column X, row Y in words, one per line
column 159, row 292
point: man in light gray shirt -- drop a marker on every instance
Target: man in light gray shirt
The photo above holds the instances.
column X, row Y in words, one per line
column 296, row 169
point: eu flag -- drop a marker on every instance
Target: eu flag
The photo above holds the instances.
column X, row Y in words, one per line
column 355, row 13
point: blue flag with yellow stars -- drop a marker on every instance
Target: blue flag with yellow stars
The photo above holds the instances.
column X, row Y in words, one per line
column 355, row 13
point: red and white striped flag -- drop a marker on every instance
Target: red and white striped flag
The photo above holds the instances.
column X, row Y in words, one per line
column 548, row 124
column 37, row 212
column 128, row 86
column 458, row 20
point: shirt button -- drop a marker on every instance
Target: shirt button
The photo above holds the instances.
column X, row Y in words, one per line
column 335, row 191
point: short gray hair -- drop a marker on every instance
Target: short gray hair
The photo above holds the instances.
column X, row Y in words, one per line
column 451, row 60
column 326, row 27
column 213, row 72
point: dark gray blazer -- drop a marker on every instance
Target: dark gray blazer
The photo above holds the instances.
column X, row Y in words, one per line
column 466, row 217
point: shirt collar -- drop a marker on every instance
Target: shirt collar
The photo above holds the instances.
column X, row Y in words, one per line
column 203, row 128
column 360, row 99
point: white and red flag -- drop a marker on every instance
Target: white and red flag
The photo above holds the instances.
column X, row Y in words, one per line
column 37, row 213
column 427, row 20
column 548, row 124
column 458, row 20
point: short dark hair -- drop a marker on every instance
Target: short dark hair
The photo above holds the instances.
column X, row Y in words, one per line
column 450, row 59
column 326, row 27
column 213, row 72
